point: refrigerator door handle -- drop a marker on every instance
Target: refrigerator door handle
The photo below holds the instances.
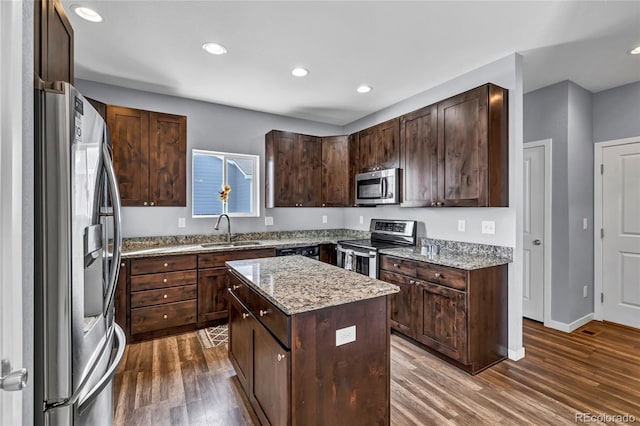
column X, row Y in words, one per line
column 117, row 226
column 108, row 375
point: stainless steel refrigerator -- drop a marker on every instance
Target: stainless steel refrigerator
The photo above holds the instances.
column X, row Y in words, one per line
column 78, row 346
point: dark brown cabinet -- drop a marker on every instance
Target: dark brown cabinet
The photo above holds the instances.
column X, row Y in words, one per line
column 419, row 157
column 473, row 149
column 293, row 172
column 212, row 294
column 328, row 254
column 457, row 313
column 149, row 155
column 335, row 171
column 53, row 42
column 379, row 146
column 241, row 326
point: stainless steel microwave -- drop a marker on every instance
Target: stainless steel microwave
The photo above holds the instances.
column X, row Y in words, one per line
column 378, row 187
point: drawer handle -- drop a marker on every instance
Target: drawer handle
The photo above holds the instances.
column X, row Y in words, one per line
column 281, row 357
column 164, row 281
column 165, row 316
column 438, row 275
column 235, row 287
column 412, row 281
column 396, row 265
column 263, row 313
column 166, row 264
column 245, row 316
column 164, row 296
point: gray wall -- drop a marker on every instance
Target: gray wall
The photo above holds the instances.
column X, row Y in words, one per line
column 220, row 128
column 616, row 113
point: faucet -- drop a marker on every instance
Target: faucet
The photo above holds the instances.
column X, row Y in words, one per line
column 217, row 226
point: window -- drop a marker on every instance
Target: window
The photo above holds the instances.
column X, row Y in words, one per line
column 211, row 170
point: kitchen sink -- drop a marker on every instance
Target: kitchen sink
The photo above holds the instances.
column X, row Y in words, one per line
column 233, row 244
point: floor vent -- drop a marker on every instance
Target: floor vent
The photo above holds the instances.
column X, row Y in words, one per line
column 589, row 332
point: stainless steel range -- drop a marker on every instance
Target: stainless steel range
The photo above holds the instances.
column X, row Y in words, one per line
column 361, row 256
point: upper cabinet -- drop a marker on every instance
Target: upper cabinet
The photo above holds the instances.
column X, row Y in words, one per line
column 149, row 155
column 335, row 171
column 293, row 174
column 455, row 153
column 473, row 149
column 379, row 146
column 53, row 42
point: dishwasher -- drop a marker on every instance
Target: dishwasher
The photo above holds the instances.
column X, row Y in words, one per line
column 306, row 251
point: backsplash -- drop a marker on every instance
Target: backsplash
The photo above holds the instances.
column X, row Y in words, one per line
column 472, row 249
column 136, row 243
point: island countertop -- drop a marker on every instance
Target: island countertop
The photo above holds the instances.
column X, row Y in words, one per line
column 297, row 284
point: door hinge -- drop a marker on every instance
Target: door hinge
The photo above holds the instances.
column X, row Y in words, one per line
column 601, row 169
column 601, row 297
column 601, row 232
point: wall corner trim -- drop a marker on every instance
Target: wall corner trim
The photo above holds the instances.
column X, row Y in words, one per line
column 572, row 326
column 516, row 354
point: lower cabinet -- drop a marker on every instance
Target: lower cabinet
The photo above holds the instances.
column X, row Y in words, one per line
column 459, row 314
column 241, row 326
column 212, row 294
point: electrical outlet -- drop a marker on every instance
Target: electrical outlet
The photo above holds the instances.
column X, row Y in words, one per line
column 324, row 218
column 488, row 227
column 181, row 222
column 361, row 220
column 268, row 220
column 462, row 225
column 345, row 335
column 585, row 291
column 584, row 223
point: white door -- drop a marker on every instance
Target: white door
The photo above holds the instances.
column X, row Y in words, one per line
column 621, row 230
column 11, row 202
column 533, row 227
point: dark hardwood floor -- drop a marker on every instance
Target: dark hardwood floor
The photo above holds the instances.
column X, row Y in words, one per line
column 595, row 370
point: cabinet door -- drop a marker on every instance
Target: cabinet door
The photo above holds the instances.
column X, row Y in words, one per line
column 462, row 149
column 212, row 294
column 402, row 304
column 443, row 320
column 241, row 325
column 388, row 144
column 335, row 171
column 130, row 140
column 354, row 167
column 328, row 254
column 53, row 42
column 271, row 377
column 280, row 158
column 308, row 171
column 167, row 159
column 419, row 153
column 367, row 149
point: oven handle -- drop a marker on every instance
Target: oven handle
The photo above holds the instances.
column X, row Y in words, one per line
column 369, row 255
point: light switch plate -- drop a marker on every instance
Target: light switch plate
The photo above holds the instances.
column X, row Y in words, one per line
column 361, row 220
column 488, row 227
column 268, row 220
column 324, row 218
column 182, row 222
column 462, row 225
column 585, row 223
column 345, row 335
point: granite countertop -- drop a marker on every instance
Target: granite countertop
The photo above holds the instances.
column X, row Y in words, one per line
column 297, row 284
column 447, row 258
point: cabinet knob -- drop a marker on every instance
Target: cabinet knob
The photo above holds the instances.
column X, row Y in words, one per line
column 164, row 296
column 396, row 265
column 438, row 274
column 235, row 287
column 281, row 357
column 166, row 264
column 164, row 280
column 122, row 264
column 324, row 205
column 165, row 316
column 245, row 316
column 440, row 203
column 263, row 313
column 412, row 281
column 145, row 203
column 153, row 204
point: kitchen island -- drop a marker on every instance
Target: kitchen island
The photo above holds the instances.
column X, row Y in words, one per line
column 310, row 341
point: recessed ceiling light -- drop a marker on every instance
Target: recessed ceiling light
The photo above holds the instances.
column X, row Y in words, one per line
column 214, row 48
column 299, row 72
column 86, row 13
column 635, row 51
column 364, row 89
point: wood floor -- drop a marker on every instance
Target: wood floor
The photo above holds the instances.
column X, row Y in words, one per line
column 595, row 370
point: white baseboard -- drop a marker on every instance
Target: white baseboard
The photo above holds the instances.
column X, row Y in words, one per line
column 516, row 354
column 568, row 328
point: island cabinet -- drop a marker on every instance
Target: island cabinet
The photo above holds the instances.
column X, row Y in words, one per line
column 149, row 156
column 459, row 314
column 325, row 366
column 379, row 146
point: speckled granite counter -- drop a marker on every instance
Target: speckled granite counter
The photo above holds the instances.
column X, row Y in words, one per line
column 193, row 244
column 446, row 258
column 297, row 284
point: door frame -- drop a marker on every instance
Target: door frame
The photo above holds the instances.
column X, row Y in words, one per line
column 548, row 246
column 598, row 311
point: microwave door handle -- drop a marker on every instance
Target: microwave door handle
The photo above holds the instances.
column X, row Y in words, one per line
column 382, row 189
column 117, row 225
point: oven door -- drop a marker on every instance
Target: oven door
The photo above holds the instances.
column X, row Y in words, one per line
column 358, row 260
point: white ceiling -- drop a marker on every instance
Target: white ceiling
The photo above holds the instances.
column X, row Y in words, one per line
column 399, row 48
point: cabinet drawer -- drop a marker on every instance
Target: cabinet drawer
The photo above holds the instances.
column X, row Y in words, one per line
column 450, row 277
column 163, row 316
column 163, row 264
column 213, row 260
column 240, row 290
column 165, row 295
column 398, row 265
column 272, row 318
column 156, row 281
